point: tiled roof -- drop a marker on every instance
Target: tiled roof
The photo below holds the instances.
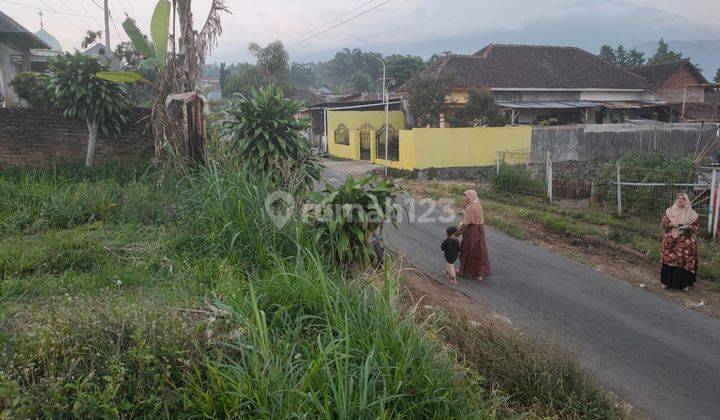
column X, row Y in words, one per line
column 658, row 74
column 536, row 67
column 15, row 32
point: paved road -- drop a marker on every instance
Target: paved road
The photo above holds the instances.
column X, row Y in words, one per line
column 660, row 356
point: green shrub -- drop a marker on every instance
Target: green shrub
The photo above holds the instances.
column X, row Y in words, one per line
column 518, row 180
column 644, row 201
column 345, row 217
column 267, row 137
column 32, row 87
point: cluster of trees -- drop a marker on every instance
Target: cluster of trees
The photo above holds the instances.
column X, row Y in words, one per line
column 349, row 70
column 427, row 100
column 621, row 56
column 635, row 58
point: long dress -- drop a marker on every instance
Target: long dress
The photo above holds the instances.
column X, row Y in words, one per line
column 474, row 259
column 679, row 256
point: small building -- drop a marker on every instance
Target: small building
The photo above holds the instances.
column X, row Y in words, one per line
column 537, row 83
column 16, row 45
column 319, row 115
column 682, row 87
column 104, row 55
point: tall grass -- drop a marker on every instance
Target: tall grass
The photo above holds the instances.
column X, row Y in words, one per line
column 189, row 302
column 286, row 333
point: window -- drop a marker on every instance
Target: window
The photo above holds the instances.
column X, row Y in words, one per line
column 342, row 135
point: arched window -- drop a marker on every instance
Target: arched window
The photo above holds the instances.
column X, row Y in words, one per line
column 342, row 135
column 393, row 143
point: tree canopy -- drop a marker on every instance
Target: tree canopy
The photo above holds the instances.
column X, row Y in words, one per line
column 400, row 68
column 426, row 98
column 76, row 88
column 621, row 56
column 664, row 54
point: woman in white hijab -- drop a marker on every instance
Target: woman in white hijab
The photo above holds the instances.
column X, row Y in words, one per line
column 679, row 245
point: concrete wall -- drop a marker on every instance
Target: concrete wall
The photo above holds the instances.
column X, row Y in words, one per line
column 608, row 142
column 457, row 147
column 41, row 136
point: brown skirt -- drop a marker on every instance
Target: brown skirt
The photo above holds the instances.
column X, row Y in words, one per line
column 474, row 260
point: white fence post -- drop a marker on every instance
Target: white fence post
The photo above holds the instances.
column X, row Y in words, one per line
column 716, row 216
column 619, row 188
column 711, row 205
column 549, row 175
column 497, row 162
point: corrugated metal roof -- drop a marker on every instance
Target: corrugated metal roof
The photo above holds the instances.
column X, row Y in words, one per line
column 548, row 104
column 578, row 104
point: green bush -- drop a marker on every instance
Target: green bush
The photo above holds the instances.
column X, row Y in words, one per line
column 267, row 137
column 644, row 168
column 345, row 217
column 33, row 87
column 518, row 180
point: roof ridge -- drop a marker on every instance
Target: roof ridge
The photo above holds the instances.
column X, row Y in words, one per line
column 531, row 45
column 682, row 60
column 621, row 68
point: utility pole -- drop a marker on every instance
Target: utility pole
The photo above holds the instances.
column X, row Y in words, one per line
column 107, row 28
column 386, row 99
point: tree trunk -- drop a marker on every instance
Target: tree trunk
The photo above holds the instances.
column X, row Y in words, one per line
column 92, row 142
column 196, row 132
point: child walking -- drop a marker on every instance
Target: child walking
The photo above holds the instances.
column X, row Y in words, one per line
column 451, row 248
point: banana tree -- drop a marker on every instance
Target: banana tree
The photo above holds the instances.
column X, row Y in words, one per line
column 177, row 131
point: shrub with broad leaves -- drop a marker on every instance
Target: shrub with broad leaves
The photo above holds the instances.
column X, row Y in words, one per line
column 346, row 216
column 267, row 136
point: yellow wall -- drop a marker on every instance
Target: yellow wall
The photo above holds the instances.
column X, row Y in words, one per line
column 354, row 120
column 456, row 147
column 422, row 148
column 407, row 153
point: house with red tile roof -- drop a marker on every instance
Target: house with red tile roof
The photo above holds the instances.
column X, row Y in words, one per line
column 536, row 83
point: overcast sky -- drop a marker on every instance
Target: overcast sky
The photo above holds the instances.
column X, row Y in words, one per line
column 403, row 26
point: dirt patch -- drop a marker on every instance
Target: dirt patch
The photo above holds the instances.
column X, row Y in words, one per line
column 478, row 335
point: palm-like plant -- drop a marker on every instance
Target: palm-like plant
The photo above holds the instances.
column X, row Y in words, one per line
column 75, row 87
column 267, row 137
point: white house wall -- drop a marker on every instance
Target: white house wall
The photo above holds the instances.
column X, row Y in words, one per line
column 8, row 70
column 602, row 96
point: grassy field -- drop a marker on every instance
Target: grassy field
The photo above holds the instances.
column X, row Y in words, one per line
column 127, row 294
column 505, row 211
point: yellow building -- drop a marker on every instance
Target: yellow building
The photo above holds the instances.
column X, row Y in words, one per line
column 356, row 134
column 360, row 135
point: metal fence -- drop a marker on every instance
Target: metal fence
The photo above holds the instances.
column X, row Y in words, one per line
column 643, row 192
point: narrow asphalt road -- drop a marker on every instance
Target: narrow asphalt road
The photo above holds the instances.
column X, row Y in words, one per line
column 661, row 357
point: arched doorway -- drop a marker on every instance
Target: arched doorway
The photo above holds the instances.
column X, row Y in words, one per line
column 366, row 131
column 393, row 143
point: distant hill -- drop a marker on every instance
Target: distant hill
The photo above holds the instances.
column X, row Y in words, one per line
column 706, row 53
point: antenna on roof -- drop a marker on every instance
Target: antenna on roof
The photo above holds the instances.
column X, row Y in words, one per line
column 41, row 22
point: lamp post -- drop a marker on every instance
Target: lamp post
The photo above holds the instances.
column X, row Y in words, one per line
column 386, row 99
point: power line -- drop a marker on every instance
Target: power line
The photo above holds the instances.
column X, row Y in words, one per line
column 331, row 21
column 82, row 20
column 122, row 7
column 48, row 10
column 64, row 17
column 129, row 7
column 341, row 23
column 132, row 11
column 99, row 6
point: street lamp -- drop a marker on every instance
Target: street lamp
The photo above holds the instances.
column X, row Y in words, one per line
column 386, row 99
